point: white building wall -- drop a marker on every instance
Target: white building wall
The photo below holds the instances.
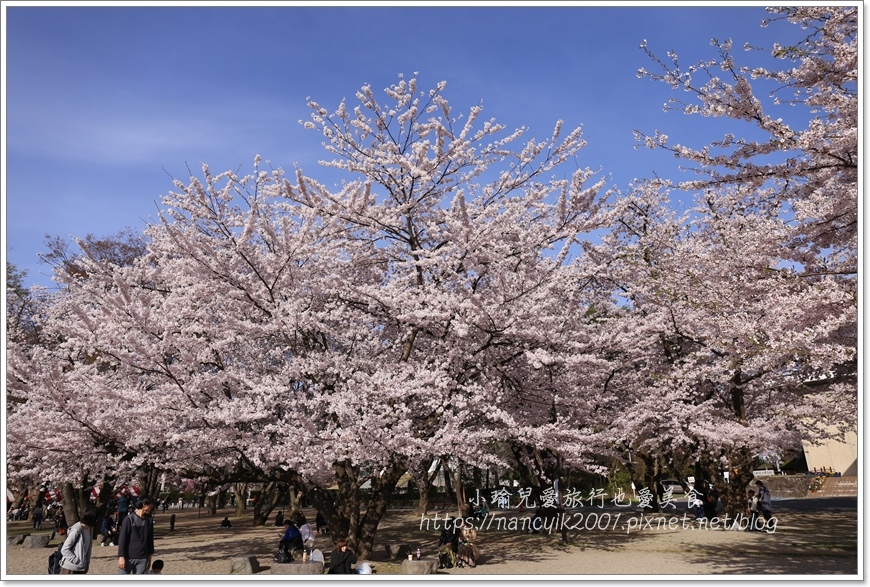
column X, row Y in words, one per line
column 839, row 455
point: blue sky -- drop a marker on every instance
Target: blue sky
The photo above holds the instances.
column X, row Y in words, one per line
column 104, row 103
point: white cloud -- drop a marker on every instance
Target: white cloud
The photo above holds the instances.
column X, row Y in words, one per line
column 135, row 132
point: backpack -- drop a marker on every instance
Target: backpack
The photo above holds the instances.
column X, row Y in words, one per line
column 282, row 556
column 54, row 561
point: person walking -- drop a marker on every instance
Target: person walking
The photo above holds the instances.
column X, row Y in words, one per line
column 37, row 517
column 76, row 550
column 136, row 540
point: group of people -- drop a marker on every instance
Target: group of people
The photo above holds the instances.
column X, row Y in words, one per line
column 52, row 513
column 299, row 536
column 135, row 539
column 38, row 514
column 457, row 545
column 708, row 499
column 759, row 506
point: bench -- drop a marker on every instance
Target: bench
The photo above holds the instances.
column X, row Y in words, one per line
column 244, row 565
column 297, row 568
column 423, row 566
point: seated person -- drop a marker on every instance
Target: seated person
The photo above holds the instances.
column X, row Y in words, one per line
column 342, row 560
column 467, row 552
column 108, row 530
column 291, row 539
column 448, row 544
column 320, row 523
column 225, row 523
column 306, row 531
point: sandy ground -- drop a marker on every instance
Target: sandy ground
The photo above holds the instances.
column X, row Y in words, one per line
column 810, row 539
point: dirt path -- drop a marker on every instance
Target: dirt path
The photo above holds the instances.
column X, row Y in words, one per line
column 817, row 539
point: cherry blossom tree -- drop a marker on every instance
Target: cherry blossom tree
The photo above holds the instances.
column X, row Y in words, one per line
column 751, row 296
column 820, row 160
column 446, row 302
column 58, row 434
column 283, row 332
column 468, row 261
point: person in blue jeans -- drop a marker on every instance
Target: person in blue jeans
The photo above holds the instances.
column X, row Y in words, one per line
column 136, row 540
column 107, row 529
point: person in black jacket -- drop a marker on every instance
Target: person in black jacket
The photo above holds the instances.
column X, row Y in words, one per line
column 342, row 559
column 448, row 544
column 709, row 499
column 136, row 540
column 107, row 529
column 320, row 524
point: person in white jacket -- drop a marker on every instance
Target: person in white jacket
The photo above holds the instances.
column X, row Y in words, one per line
column 307, row 533
column 76, row 549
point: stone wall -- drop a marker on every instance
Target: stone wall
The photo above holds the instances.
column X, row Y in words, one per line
column 838, row 487
column 786, row 485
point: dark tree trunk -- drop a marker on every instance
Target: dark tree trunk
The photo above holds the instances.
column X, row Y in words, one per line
column 651, row 480
column 21, row 494
column 37, row 496
column 75, row 499
column 424, row 483
column 212, row 502
column 343, row 510
column 382, row 491
column 459, row 490
column 150, row 482
column 477, row 477
column 449, row 493
column 269, row 496
column 239, row 489
column 105, row 495
column 733, row 491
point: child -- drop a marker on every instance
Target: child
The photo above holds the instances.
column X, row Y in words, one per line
column 156, row 568
column 753, row 510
